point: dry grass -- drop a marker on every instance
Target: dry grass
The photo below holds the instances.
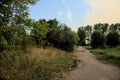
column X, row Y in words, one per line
column 36, row 65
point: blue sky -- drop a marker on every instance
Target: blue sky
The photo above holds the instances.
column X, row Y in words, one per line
column 76, row 13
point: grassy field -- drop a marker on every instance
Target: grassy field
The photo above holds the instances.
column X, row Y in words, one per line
column 111, row 55
column 38, row 64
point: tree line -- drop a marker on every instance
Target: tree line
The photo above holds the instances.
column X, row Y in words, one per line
column 100, row 35
column 18, row 31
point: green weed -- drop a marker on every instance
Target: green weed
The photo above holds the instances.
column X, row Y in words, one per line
column 111, row 55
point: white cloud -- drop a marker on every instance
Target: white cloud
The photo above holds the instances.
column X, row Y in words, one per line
column 60, row 13
column 65, row 3
column 69, row 16
column 103, row 11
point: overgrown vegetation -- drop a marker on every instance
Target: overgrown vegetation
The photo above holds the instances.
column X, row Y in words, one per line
column 39, row 64
column 18, row 33
column 111, row 54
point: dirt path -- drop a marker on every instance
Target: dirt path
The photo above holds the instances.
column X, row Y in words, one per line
column 92, row 69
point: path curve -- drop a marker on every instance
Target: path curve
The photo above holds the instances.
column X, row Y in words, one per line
column 92, row 69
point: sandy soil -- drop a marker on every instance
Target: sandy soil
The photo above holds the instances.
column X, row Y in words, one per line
column 89, row 68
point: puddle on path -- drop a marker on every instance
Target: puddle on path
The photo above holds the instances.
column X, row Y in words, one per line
column 77, row 63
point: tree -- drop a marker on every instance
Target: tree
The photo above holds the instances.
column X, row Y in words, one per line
column 98, row 27
column 13, row 14
column 39, row 31
column 112, row 39
column 104, row 28
column 88, row 31
column 82, row 35
column 68, row 39
column 53, row 32
column 101, row 27
column 60, row 36
column 97, row 39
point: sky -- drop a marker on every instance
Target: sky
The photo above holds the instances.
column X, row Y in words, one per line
column 76, row 13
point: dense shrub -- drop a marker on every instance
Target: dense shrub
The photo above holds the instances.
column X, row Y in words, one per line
column 112, row 39
column 62, row 37
column 97, row 39
column 67, row 39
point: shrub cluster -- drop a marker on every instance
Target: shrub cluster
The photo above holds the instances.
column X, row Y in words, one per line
column 98, row 40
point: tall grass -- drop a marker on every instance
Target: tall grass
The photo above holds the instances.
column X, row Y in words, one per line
column 39, row 64
column 111, row 54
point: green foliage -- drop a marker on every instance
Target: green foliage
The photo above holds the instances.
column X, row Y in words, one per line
column 13, row 17
column 39, row 31
column 97, row 39
column 53, row 32
column 82, row 35
column 111, row 55
column 3, row 43
column 112, row 39
column 114, row 27
column 101, row 27
column 12, row 37
column 13, row 12
column 67, row 39
column 62, row 37
column 88, row 30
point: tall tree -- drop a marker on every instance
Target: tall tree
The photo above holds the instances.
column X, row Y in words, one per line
column 104, row 28
column 88, row 31
column 14, row 11
column 98, row 26
column 82, row 35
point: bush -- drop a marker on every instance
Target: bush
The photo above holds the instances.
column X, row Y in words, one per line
column 62, row 37
column 67, row 39
column 112, row 39
column 97, row 39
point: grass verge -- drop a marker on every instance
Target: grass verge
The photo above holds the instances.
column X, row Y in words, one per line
column 111, row 55
column 39, row 64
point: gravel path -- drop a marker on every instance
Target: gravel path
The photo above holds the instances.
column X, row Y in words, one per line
column 91, row 69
